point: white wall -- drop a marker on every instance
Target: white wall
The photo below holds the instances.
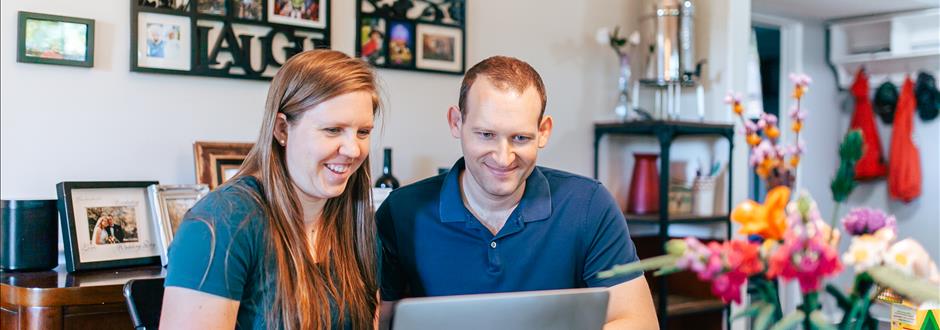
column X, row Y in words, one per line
column 106, row 123
column 827, row 123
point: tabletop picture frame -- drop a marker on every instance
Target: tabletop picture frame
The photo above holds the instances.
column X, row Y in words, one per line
column 216, row 162
column 53, row 39
column 168, row 205
column 106, row 224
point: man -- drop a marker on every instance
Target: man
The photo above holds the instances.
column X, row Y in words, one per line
column 496, row 222
column 115, row 230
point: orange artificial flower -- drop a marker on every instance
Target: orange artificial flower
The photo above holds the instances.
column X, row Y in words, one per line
column 772, row 132
column 797, row 126
column 767, row 220
column 753, row 139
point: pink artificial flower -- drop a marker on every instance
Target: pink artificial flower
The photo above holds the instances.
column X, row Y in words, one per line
column 727, row 265
column 860, row 221
column 750, row 127
column 797, row 114
column 795, row 150
column 733, row 98
column 800, row 79
column 807, row 253
column 770, row 119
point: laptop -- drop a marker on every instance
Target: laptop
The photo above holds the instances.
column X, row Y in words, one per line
column 544, row 310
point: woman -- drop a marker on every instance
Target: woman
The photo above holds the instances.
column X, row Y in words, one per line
column 101, row 235
column 289, row 242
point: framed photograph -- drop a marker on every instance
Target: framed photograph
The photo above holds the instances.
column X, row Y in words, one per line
column 417, row 35
column 51, row 39
column 163, row 41
column 401, row 43
column 213, row 7
column 248, row 9
column 307, row 13
column 168, row 205
column 106, row 225
column 216, row 162
column 439, row 48
column 181, row 5
column 372, row 40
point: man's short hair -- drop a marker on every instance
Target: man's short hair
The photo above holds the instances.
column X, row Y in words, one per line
column 505, row 73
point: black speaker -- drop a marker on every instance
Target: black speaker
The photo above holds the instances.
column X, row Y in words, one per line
column 29, row 231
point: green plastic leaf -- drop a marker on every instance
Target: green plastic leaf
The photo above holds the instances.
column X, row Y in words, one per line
column 850, row 151
column 790, row 320
column 913, row 288
column 750, row 311
column 819, row 320
column 841, row 300
column 851, row 147
column 638, row 266
column 763, row 319
column 667, row 270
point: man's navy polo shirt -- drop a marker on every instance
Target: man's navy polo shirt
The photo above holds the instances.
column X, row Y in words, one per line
column 566, row 229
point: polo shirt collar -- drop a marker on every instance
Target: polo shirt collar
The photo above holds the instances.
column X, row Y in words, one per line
column 536, row 203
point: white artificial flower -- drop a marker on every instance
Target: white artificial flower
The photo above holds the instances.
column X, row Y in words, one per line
column 634, row 38
column 603, row 36
column 867, row 251
column 910, row 257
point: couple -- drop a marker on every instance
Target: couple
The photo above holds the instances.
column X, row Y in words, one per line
column 107, row 232
column 291, row 242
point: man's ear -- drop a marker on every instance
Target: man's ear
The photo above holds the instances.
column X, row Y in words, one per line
column 280, row 129
column 455, row 121
column 545, row 131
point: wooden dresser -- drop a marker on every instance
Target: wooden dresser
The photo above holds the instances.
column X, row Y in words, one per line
column 58, row 300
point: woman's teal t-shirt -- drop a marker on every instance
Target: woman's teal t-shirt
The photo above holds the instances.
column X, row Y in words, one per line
column 230, row 260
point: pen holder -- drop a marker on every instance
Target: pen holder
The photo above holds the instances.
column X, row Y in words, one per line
column 703, row 196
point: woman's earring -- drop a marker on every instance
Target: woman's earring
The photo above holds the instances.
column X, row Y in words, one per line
column 283, row 142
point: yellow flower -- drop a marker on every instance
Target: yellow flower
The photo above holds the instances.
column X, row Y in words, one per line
column 767, row 220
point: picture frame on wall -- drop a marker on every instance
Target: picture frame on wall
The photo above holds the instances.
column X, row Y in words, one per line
column 216, row 162
column 310, row 13
column 106, row 224
column 439, row 48
column 415, row 35
column 242, row 39
column 52, row 39
column 163, row 41
column 168, row 205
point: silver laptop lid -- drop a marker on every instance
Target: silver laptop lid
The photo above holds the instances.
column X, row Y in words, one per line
column 544, row 310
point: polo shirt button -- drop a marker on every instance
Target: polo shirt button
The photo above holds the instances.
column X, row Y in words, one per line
column 493, row 244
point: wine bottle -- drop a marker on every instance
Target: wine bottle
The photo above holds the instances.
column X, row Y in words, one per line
column 387, row 180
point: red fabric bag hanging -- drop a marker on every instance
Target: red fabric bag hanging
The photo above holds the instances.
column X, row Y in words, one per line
column 904, row 178
column 871, row 165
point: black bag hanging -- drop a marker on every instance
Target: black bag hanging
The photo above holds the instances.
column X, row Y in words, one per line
column 886, row 97
column 927, row 95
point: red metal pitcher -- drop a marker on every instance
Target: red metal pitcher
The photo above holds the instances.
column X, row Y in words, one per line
column 644, row 186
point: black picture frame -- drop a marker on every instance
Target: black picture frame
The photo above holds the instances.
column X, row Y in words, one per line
column 51, row 56
column 435, row 29
column 198, row 55
column 131, row 210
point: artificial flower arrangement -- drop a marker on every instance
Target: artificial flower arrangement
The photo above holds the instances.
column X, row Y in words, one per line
column 789, row 240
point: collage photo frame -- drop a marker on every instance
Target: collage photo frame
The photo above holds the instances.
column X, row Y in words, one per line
column 412, row 35
column 248, row 39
